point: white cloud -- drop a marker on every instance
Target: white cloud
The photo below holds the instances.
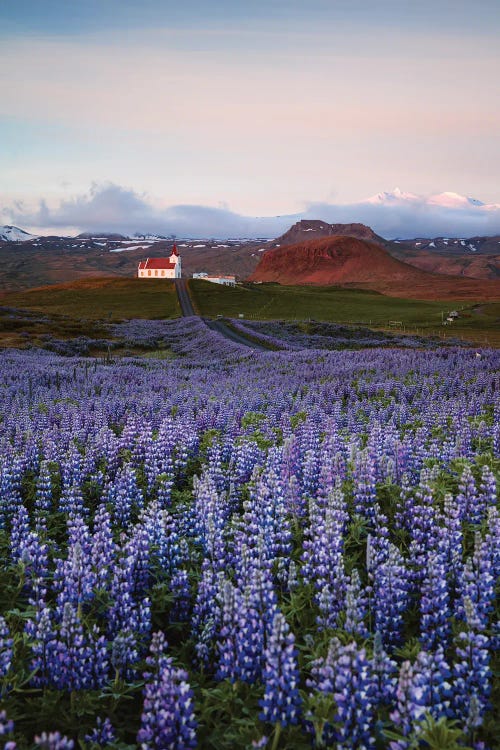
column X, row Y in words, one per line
column 112, row 208
column 408, row 219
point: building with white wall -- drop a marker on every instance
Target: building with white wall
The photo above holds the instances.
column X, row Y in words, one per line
column 161, row 268
column 225, row 280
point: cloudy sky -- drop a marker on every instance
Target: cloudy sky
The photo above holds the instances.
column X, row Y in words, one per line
column 204, row 113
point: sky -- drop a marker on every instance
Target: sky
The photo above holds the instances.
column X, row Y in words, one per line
column 212, row 113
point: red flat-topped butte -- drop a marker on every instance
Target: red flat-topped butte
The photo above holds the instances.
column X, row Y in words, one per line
column 352, row 262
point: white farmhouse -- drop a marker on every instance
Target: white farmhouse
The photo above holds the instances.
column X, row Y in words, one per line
column 224, row 280
column 161, row 268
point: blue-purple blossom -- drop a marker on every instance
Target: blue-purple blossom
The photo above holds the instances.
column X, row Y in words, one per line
column 346, row 673
column 356, row 606
column 471, row 672
column 6, row 725
column 476, row 583
column 390, row 598
column 212, row 496
column 53, row 741
column 323, row 559
column 435, row 604
column 281, row 703
column 103, row 733
column 167, row 721
column 43, row 500
column 6, row 649
column 424, row 687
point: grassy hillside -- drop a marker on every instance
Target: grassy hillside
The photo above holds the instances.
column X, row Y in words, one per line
column 75, row 308
column 272, row 301
column 101, row 299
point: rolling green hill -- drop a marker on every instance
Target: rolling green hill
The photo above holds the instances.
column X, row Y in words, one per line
column 478, row 321
column 101, row 299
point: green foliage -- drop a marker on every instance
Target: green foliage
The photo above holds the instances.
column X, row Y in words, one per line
column 229, row 712
column 252, row 419
column 297, row 419
column 432, row 734
column 208, row 438
column 300, row 610
column 319, row 708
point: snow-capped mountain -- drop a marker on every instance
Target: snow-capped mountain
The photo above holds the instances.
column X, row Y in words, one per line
column 447, row 199
column 394, row 196
column 9, row 233
column 453, row 200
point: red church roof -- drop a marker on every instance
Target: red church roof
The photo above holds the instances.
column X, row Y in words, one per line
column 158, row 263
column 174, row 250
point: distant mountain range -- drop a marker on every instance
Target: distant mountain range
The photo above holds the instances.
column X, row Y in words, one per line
column 476, row 257
column 40, row 261
column 9, row 233
column 27, row 260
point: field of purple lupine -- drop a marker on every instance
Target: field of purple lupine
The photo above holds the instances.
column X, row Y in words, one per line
column 238, row 549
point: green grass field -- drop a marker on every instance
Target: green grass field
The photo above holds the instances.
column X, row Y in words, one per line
column 82, row 304
column 270, row 301
column 101, row 299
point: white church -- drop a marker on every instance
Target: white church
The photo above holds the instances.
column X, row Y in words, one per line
column 161, row 268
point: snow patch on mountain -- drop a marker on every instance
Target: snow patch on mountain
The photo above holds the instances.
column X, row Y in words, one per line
column 453, row 200
column 394, row 196
column 128, row 247
column 154, row 237
column 9, row 233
